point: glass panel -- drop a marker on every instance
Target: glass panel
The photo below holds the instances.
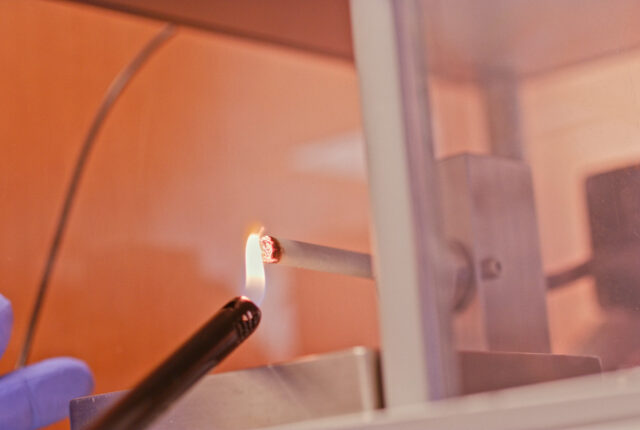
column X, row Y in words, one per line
column 535, row 107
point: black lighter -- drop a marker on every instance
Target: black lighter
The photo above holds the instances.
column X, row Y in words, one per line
column 228, row 328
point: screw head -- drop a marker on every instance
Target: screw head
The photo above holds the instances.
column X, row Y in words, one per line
column 490, row 268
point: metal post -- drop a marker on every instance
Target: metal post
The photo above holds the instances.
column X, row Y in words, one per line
column 418, row 362
column 503, row 112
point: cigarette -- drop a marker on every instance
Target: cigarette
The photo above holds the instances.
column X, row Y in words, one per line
column 326, row 259
column 315, row 257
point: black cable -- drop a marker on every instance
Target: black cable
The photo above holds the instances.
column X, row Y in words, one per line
column 566, row 277
column 113, row 92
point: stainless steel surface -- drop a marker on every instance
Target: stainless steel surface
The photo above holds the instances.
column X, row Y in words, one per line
column 489, row 207
column 327, row 385
column 313, row 387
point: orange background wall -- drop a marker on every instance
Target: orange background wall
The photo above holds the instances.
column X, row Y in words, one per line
column 201, row 146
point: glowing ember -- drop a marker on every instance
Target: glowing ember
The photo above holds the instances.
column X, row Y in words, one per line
column 271, row 250
column 254, row 269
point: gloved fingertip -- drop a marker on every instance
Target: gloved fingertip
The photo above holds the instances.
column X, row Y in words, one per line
column 53, row 383
column 6, row 322
column 4, row 301
column 39, row 394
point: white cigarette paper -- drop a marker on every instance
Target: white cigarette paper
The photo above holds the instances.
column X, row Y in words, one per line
column 315, row 257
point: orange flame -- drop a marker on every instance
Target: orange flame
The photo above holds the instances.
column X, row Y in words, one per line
column 254, row 269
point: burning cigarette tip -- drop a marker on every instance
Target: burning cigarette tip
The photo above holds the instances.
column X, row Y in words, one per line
column 271, row 249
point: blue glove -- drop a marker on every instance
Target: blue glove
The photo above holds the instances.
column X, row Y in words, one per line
column 38, row 395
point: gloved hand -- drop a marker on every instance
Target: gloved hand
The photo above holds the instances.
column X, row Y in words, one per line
column 39, row 394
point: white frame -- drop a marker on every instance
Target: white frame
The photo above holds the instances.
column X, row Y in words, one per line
column 417, row 354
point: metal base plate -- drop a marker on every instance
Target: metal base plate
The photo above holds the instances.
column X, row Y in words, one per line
column 314, row 387
column 327, row 385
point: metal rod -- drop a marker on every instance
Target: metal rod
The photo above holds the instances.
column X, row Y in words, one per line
column 504, row 117
column 111, row 96
column 566, row 277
